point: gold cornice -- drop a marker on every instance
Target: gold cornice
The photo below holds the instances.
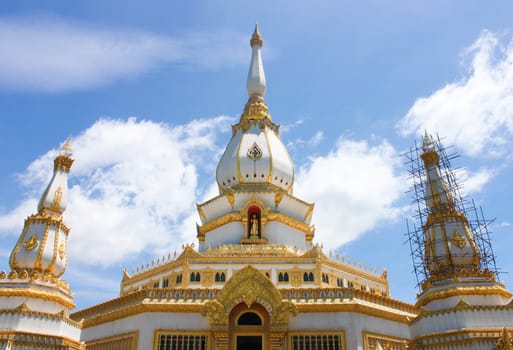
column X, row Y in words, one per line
column 65, row 301
column 148, row 297
column 23, row 309
column 462, row 338
column 429, row 296
column 443, row 215
column 35, row 276
column 462, row 305
column 14, row 338
column 380, row 279
column 167, row 267
column 139, row 309
column 455, row 276
column 353, row 294
column 356, row 308
column 272, row 216
column 220, row 221
column 245, row 289
column 271, row 189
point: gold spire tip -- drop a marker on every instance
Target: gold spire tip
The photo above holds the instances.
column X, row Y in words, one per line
column 256, row 38
column 66, row 149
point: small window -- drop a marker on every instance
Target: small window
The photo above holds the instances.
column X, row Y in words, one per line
column 249, row 319
column 218, row 277
column 305, row 277
column 193, row 277
column 280, row 277
column 311, row 277
column 223, row 277
column 198, row 277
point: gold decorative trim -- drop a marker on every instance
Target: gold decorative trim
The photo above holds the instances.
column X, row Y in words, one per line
column 62, row 163
column 67, row 302
column 269, row 148
column 24, row 310
column 255, row 109
column 249, row 286
column 309, row 211
column 18, row 339
column 430, row 158
column 458, row 239
column 230, row 198
column 427, row 297
column 357, row 308
column 201, row 212
column 466, row 338
column 100, row 318
column 31, row 243
column 39, row 263
column 272, row 216
column 462, row 305
column 254, row 152
column 278, row 196
column 62, row 250
column 504, row 342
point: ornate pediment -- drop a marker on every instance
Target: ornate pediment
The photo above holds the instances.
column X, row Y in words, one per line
column 249, row 286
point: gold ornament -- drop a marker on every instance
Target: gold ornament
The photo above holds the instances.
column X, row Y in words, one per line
column 62, row 250
column 458, row 240
column 31, row 243
column 55, row 206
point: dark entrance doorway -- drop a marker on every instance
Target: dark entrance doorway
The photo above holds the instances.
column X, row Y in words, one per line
column 253, row 342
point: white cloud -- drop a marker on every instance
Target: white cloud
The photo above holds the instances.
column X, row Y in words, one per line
column 42, row 54
column 476, row 112
column 474, row 182
column 11, row 222
column 354, row 187
column 131, row 188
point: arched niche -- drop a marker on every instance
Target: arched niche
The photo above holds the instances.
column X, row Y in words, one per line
column 254, row 217
column 249, row 286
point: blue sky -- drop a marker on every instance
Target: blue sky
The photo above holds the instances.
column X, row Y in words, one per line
column 148, row 94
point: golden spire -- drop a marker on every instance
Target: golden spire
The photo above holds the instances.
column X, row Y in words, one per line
column 256, row 38
column 55, row 196
column 255, row 107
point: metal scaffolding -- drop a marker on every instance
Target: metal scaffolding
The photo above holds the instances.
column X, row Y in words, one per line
column 479, row 226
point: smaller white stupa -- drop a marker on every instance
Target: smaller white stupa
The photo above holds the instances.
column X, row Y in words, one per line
column 34, row 301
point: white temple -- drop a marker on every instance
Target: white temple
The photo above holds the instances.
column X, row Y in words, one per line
column 256, row 280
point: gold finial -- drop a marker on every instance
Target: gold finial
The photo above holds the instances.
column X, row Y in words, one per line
column 256, row 38
column 427, row 141
column 66, row 149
